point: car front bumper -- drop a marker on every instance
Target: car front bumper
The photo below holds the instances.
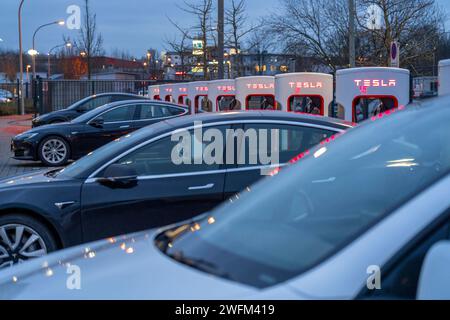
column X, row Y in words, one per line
column 24, row 150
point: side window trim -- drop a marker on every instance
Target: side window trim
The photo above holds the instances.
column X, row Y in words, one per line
column 106, row 111
column 307, row 132
column 140, row 105
column 93, row 176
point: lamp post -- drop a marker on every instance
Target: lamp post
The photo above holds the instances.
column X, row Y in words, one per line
column 33, row 57
column 220, row 31
column 67, row 45
column 22, row 98
column 351, row 40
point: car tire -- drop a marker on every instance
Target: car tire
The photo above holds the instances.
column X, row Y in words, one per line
column 54, row 151
column 35, row 241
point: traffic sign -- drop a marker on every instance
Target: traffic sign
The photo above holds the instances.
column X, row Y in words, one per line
column 395, row 55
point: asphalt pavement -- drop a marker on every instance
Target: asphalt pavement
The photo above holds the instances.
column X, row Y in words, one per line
column 9, row 127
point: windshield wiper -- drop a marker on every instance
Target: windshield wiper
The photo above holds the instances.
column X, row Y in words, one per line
column 201, row 264
column 52, row 173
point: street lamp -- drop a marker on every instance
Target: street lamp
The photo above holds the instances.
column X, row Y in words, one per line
column 33, row 60
column 67, row 45
column 28, row 72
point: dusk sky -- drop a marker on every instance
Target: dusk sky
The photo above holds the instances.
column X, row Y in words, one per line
column 130, row 25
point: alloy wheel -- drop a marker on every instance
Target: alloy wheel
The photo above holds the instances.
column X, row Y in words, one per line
column 19, row 243
column 54, row 151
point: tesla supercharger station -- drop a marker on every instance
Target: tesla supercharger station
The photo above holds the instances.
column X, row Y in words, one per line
column 153, row 92
column 256, row 93
column 166, row 92
column 198, row 97
column 365, row 92
column 304, row 92
column 444, row 77
column 222, row 94
column 180, row 93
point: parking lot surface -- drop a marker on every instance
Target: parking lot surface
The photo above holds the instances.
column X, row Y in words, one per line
column 9, row 127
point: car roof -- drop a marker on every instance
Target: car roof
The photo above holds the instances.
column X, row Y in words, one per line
column 116, row 94
column 260, row 115
column 134, row 101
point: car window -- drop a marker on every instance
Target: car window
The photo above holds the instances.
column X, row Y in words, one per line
column 364, row 176
column 402, row 278
column 157, row 158
column 119, row 97
column 155, row 111
column 125, row 113
column 292, row 140
column 95, row 103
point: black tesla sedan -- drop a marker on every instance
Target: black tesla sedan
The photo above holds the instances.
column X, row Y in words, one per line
column 82, row 106
column 56, row 144
column 135, row 182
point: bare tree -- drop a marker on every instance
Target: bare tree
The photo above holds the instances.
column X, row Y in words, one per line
column 180, row 45
column 121, row 54
column 203, row 13
column 313, row 28
column 9, row 61
column 89, row 41
column 414, row 23
column 237, row 29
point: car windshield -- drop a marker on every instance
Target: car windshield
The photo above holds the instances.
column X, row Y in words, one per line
column 287, row 224
column 79, row 103
column 85, row 117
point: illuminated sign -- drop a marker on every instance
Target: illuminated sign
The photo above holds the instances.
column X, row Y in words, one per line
column 197, row 47
column 256, row 86
column 305, row 85
column 183, row 90
column 169, row 89
column 226, row 88
column 375, row 83
column 156, row 90
column 201, row 89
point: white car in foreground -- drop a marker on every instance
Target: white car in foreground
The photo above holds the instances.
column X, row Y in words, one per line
column 366, row 216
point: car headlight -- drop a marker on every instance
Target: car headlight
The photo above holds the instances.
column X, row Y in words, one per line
column 27, row 135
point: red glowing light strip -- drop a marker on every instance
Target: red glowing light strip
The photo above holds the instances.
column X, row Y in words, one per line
column 387, row 113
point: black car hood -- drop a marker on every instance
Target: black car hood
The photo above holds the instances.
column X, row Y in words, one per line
column 56, row 127
column 35, row 177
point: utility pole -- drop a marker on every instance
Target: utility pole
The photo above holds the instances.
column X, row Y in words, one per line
column 220, row 30
column 22, row 97
column 351, row 32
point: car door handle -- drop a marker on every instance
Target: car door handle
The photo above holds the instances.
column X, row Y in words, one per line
column 125, row 127
column 205, row 187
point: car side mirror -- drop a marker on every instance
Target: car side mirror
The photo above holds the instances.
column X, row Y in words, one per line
column 434, row 281
column 97, row 123
column 119, row 176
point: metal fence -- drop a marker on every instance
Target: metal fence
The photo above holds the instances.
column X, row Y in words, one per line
column 54, row 95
